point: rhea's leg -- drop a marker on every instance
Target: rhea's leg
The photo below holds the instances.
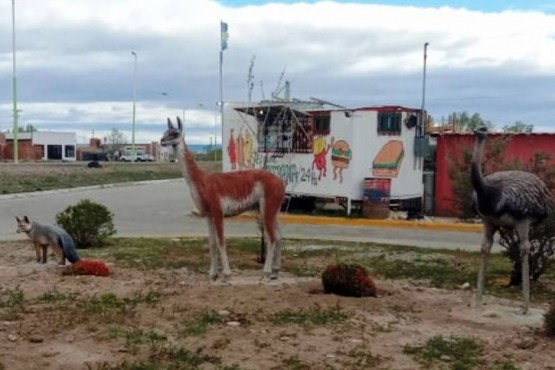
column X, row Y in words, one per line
column 487, row 243
column 523, row 230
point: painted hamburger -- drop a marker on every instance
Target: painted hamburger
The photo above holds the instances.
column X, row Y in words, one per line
column 389, row 159
column 340, row 157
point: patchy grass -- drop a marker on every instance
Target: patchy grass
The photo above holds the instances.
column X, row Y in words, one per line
column 27, row 177
column 445, row 269
column 507, row 365
column 54, row 296
column 12, row 303
column 137, row 337
column 460, row 353
column 199, row 324
column 170, row 358
column 149, row 316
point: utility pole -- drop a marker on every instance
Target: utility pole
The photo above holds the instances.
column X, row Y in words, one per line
column 14, row 94
column 133, row 151
column 422, row 114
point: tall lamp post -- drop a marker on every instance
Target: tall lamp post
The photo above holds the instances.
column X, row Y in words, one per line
column 14, row 93
column 133, row 151
column 422, row 122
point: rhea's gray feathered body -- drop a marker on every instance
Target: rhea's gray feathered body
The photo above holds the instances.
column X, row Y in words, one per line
column 508, row 199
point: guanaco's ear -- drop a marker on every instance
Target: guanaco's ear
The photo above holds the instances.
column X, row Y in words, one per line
column 17, row 219
column 170, row 125
column 179, row 124
column 26, row 219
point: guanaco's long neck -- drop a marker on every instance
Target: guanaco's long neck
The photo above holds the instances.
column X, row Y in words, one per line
column 476, row 167
column 191, row 171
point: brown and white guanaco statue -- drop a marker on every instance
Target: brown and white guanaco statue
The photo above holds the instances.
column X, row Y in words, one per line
column 219, row 195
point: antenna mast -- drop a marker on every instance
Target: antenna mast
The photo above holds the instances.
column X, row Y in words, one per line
column 250, row 77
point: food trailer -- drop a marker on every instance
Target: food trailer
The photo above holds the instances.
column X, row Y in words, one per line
column 366, row 154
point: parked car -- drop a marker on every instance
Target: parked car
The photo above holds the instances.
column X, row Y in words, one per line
column 139, row 157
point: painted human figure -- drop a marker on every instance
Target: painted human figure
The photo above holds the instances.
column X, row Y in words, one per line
column 231, row 146
column 321, row 149
column 247, row 149
column 239, row 151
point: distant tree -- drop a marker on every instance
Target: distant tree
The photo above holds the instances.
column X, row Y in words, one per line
column 518, row 127
column 114, row 142
column 468, row 123
column 28, row 128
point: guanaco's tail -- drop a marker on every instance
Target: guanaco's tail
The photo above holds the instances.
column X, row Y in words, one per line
column 87, row 267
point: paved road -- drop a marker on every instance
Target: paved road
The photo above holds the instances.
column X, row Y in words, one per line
column 162, row 208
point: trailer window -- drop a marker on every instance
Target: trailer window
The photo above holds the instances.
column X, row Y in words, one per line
column 285, row 132
column 389, row 123
column 322, row 124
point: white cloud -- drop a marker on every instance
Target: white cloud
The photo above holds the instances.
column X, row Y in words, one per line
column 75, row 66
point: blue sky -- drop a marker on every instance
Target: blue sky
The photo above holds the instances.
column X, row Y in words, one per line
column 75, row 67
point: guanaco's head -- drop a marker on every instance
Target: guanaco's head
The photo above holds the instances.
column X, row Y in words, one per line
column 481, row 132
column 24, row 225
column 172, row 136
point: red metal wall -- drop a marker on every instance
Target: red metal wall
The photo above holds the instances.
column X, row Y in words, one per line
column 450, row 146
column 27, row 152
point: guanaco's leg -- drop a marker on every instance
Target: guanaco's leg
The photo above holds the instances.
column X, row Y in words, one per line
column 218, row 220
column 212, row 245
column 271, row 238
column 276, row 260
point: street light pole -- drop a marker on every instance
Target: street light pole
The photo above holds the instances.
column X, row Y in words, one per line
column 133, row 151
column 14, row 93
column 422, row 122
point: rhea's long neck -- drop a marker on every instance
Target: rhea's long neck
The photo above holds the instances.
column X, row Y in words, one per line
column 476, row 166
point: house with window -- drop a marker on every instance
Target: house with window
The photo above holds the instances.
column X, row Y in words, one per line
column 351, row 155
column 41, row 145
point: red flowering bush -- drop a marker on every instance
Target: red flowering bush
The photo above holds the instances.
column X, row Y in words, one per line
column 348, row 280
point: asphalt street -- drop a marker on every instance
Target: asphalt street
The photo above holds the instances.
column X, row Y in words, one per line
column 162, row 208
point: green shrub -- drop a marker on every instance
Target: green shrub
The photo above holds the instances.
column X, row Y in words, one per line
column 90, row 224
column 542, row 249
column 348, row 280
column 549, row 321
column 541, row 236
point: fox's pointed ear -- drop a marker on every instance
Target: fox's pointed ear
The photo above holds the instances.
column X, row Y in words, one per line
column 17, row 219
column 179, row 124
column 170, row 125
column 26, row 219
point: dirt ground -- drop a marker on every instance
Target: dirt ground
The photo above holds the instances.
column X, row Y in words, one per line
column 67, row 329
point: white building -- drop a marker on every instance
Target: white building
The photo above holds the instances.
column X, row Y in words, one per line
column 45, row 145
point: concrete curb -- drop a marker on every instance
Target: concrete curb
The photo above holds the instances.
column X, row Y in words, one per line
column 344, row 221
